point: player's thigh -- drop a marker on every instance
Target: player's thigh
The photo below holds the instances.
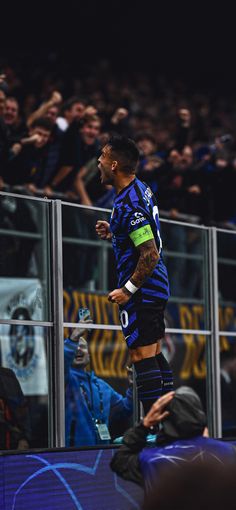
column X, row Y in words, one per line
column 142, row 323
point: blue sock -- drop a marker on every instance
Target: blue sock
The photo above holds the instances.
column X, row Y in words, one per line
column 166, row 372
column 149, row 381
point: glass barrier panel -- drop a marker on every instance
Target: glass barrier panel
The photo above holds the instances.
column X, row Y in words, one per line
column 187, row 357
column 23, row 387
column 99, row 390
column 25, row 290
column 100, row 357
column 226, row 247
column 86, row 259
column 185, row 256
column 228, row 384
column 89, row 266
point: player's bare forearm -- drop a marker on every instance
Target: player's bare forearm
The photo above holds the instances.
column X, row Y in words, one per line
column 147, row 262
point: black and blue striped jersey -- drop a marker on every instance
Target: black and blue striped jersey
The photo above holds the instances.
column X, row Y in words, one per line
column 134, row 220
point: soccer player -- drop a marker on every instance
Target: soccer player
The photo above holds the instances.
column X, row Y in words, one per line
column 143, row 287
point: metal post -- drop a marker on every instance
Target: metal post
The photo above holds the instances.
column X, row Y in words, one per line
column 45, row 251
column 213, row 344
column 57, row 396
column 136, row 410
column 104, row 268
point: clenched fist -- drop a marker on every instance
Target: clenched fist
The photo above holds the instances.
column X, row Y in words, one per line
column 103, row 230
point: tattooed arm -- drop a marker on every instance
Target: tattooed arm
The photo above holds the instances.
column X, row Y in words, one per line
column 147, row 262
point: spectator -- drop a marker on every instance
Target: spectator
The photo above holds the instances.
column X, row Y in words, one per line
column 2, row 99
column 89, row 400
column 4, row 133
column 183, row 128
column 4, row 150
column 182, row 194
column 87, row 183
column 72, row 109
column 119, row 123
column 28, row 165
column 184, row 139
column 107, row 199
column 14, row 413
column 184, row 436
column 11, row 112
column 50, row 110
column 150, row 165
column 80, row 145
column 147, row 145
column 11, row 117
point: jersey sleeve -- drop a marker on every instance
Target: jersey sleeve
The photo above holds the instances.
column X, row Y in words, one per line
column 138, row 226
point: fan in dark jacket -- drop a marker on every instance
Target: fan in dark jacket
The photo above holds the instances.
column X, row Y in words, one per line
column 15, row 428
column 183, row 438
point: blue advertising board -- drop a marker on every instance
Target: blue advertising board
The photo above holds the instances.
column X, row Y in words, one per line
column 71, row 480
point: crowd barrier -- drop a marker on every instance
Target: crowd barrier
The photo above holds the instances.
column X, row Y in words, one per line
column 51, row 263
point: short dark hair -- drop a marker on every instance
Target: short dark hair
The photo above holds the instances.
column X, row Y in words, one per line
column 43, row 122
column 126, row 151
column 70, row 102
column 144, row 135
column 86, row 119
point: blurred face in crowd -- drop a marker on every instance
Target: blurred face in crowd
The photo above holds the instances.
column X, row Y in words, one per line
column 105, row 162
column 90, row 131
column 75, row 112
column 52, row 113
column 82, row 358
column 2, row 102
column 43, row 136
column 11, row 112
column 187, row 157
column 174, row 158
column 103, row 138
column 146, row 147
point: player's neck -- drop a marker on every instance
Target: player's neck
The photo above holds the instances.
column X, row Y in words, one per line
column 122, row 181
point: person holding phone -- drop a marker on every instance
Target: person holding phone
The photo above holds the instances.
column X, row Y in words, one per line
column 90, row 402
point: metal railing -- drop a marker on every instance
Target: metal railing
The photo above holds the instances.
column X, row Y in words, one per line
column 57, row 324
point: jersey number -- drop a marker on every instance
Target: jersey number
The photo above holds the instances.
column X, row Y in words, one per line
column 124, row 318
column 155, row 217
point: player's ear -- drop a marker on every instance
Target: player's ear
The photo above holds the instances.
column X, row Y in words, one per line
column 114, row 165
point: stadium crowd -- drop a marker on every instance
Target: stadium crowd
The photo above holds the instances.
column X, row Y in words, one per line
column 52, row 129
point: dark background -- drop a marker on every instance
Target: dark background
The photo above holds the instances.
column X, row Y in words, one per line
column 190, row 41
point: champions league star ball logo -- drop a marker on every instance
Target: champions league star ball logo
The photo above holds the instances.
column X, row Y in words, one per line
column 22, row 358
